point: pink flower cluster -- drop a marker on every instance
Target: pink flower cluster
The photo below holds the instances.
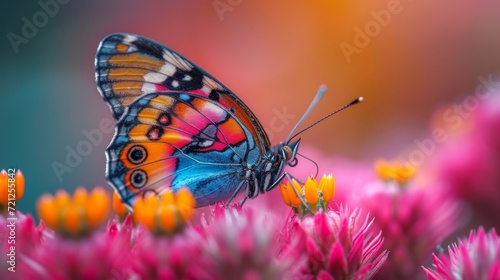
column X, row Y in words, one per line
column 477, row 258
column 230, row 243
column 335, row 245
column 469, row 163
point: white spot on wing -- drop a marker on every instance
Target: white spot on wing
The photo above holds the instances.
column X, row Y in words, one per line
column 206, row 143
column 206, row 89
column 129, row 39
column 148, row 88
column 187, row 78
column 154, row 77
column 167, row 69
column 132, row 48
column 175, row 84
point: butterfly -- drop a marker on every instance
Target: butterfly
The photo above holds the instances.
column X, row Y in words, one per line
column 180, row 127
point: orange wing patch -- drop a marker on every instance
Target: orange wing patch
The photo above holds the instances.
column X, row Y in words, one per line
column 149, row 116
column 162, row 102
column 122, row 48
column 122, row 89
column 127, row 74
column 135, row 60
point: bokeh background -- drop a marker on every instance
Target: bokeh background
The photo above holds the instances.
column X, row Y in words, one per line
column 273, row 54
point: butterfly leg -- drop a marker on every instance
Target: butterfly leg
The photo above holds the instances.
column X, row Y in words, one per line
column 304, row 203
column 243, row 201
column 236, row 191
column 280, row 179
column 275, row 183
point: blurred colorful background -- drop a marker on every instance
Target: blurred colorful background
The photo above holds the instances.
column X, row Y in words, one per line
column 408, row 59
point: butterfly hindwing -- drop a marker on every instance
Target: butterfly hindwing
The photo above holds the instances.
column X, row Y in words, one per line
column 174, row 139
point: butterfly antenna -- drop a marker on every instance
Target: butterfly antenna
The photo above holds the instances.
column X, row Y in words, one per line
column 321, row 92
column 354, row 102
column 313, row 162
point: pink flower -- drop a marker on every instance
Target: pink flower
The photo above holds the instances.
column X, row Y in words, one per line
column 413, row 218
column 166, row 257
column 100, row 256
column 413, row 221
column 335, row 245
column 21, row 235
column 468, row 162
column 240, row 244
column 477, row 258
column 21, row 232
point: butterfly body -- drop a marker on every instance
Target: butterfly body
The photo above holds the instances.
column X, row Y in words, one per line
column 179, row 127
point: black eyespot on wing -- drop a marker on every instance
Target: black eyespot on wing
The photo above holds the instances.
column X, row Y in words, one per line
column 137, row 154
column 138, row 178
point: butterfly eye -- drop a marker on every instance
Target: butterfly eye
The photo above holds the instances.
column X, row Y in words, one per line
column 137, row 154
column 138, row 178
column 287, row 151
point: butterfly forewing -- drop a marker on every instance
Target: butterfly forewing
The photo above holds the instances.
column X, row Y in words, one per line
column 128, row 66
